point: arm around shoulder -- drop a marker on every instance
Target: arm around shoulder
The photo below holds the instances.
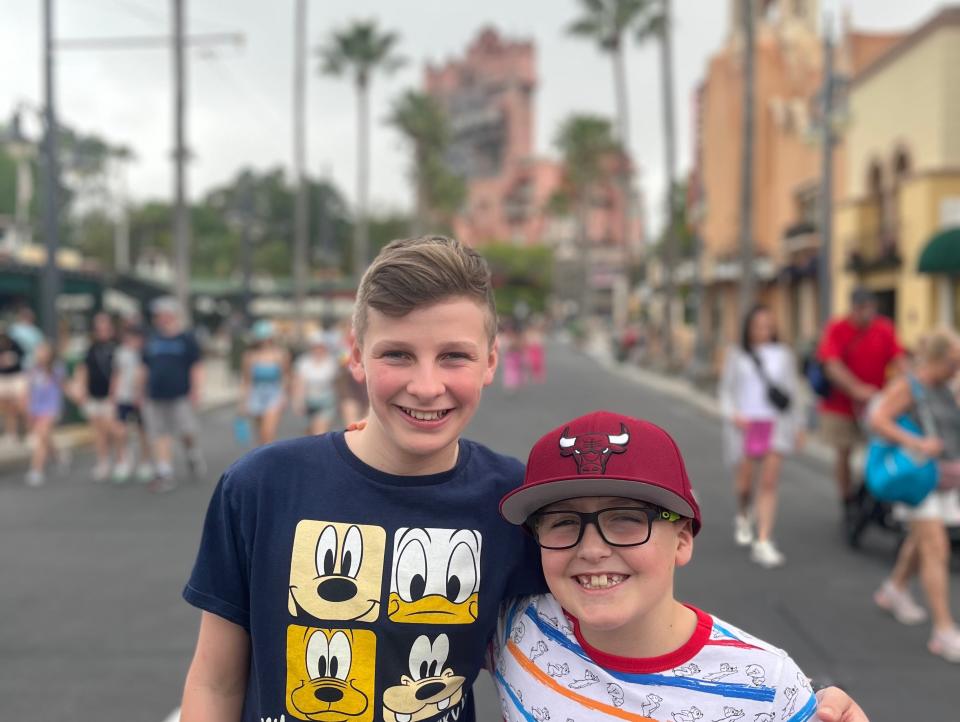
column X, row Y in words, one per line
column 217, row 681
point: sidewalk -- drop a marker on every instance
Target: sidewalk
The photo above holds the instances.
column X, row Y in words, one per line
column 219, row 389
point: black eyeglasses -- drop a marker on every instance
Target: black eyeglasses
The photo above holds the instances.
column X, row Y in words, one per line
column 621, row 526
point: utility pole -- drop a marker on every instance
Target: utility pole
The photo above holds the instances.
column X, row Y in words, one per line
column 747, row 282
column 670, row 250
column 246, row 244
column 302, row 209
column 824, row 275
column 181, row 221
column 51, row 191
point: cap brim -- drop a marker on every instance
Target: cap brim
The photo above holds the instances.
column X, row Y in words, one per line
column 517, row 506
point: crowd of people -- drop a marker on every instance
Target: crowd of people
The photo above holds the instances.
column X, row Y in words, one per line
column 866, row 383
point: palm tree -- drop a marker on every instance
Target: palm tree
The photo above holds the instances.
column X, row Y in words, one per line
column 607, row 23
column 421, row 120
column 586, row 144
column 360, row 50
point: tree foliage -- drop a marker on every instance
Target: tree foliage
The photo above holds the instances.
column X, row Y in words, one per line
column 358, row 50
column 519, row 273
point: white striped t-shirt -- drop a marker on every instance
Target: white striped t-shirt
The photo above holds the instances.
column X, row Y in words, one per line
column 545, row 670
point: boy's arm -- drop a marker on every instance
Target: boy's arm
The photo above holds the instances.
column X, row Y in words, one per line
column 217, row 680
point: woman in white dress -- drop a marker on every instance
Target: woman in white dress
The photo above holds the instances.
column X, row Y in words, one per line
column 758, row 398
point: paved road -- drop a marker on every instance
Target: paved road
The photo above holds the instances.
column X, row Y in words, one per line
column 90, row 574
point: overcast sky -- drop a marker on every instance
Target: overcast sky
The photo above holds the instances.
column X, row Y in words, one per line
column 240, row 99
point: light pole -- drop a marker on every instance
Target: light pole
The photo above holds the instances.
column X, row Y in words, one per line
column 746, row 170
column 51, row 191
column 301, row 210
column 824, row 276
column 181, row 221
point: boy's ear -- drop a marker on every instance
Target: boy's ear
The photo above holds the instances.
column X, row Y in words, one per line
column 356, row 360
column 684, row 541
column 492, row 359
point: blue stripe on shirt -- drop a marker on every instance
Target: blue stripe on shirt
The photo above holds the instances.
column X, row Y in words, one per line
column 739, row 691
column 508, row 690
column 808, row 711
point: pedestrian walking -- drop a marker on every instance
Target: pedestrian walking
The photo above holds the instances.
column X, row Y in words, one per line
column 857, row 352
column 512, row 353
column 926, row 551
column 313, row 383
column 351, row 392
column 608, row 500
column 764, row 423
column 534, row 352
column 174, row 380
column 24, row 331
column 12, row 382
column 264, row 381
column 44, row 405
column 91, row 383
column 127, row 390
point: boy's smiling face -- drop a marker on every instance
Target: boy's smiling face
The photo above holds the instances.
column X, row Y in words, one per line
column 424, row 372
column 638, row 580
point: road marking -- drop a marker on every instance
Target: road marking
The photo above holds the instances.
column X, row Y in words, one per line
column 173, row 716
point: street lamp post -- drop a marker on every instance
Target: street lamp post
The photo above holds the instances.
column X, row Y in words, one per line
column 824, row 279
column 181, row 221
column 51, row 179
column 301, row 210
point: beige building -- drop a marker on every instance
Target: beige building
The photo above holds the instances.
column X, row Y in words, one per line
column 787, row 164
column 902, row 169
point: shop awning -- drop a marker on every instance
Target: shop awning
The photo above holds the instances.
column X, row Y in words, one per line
column 942, row 253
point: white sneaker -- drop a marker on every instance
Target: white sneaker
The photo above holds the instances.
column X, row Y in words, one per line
column 899, row 603
column 35, row 478
column 766, row 554
column 101, row 471
column 121, row 472
column 742, row 530
column 946, row 643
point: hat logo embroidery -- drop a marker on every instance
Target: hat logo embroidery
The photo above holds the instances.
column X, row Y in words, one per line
column 592, row 451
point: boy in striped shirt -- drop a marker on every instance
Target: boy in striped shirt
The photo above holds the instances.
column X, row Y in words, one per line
column 608, row 500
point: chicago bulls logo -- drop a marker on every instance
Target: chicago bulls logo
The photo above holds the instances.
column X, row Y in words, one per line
column 592, row 451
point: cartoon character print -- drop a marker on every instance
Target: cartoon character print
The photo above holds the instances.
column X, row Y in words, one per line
column 725, row 671
column 616, row 694
column 540, row 714
column 730, row 714
column 431, row 688
column 651, row 705
column 436, row 576
column 558, row 670
column 336, row 571
column 330, row 673
column 516, row 634
column 538, row 650
column 687, row 715
column 764, row 717
column 756, row 674
column 588, row 679
column 790, row 707
column 687, row 671
column 803, row 681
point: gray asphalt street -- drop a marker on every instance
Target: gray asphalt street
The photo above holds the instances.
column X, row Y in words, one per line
column 93, row 626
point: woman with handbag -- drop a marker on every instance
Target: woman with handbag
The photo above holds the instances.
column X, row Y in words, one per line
column 763, row 424
column 925, row 393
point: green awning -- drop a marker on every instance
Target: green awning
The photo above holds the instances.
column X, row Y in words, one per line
column 942, row 253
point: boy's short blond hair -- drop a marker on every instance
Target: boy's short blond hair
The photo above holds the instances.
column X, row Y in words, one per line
column 411, row 273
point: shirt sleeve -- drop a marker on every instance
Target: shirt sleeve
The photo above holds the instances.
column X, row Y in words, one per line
column 219, row 582
column 829, row 345
column 527, row 577
column 795, row 700
column 193, row 353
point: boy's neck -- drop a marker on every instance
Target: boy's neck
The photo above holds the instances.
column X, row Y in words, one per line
column 373, row 449
column 664, row 630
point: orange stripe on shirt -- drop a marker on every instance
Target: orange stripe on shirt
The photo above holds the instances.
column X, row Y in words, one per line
column 550, row 682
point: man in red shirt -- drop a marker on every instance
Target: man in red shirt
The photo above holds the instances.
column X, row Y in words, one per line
column 857, row 351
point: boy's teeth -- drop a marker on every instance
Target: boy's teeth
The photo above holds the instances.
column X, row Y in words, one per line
column 425, row 415
column 600, row 581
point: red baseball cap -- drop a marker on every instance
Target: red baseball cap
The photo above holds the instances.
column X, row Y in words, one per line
column 604, row 454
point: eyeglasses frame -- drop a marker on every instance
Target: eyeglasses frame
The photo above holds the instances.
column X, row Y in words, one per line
column 593, row 517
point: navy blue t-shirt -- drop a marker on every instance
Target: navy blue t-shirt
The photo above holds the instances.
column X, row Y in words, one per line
column 169, row 359
column 368, row 597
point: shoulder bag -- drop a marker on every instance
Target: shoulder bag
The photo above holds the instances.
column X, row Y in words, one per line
column 895, row 474
column 775, row 395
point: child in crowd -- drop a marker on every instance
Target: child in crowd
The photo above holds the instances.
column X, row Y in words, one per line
column 358, row 575
column 127, row 389
column 608, row 500
column 45, row 382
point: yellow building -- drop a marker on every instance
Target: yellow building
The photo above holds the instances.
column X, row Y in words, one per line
column 902, row 177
